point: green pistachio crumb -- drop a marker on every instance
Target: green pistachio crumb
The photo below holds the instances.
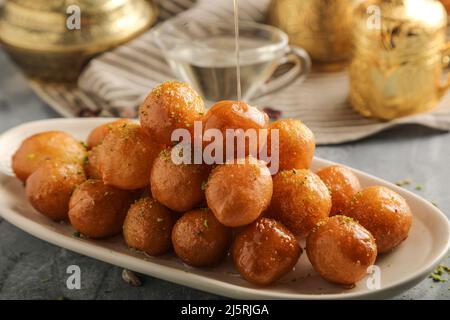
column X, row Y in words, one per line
column 438, row 275
column 84, row 144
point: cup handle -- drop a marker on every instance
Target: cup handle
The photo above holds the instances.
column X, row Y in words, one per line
column 445, row 64
column 302, row 67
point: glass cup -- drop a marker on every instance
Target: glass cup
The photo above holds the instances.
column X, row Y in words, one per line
column 204, row 55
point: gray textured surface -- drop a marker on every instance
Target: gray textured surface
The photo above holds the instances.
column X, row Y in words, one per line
column 33, row 269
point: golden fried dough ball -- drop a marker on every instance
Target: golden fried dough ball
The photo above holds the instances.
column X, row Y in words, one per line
column 236, row 115
column 91, row 165
column 296, row 144
column 50, row 187
column 265, row 251
column 51, row 145
column 384, row 213
column 97, row 135
column 300, row 200
column 238, row 193
column 126, row 156
column 179, row 187
column 148, row 227
column 97, row 210
column 199, row 239
column 341, row 250
column 343, row 185
column 171, row 105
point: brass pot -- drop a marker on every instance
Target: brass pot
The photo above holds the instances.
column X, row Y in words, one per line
column 399, row 57
column 321, row 27
column 43, row 38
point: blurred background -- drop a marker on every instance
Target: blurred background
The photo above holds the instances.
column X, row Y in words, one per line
column 382, row 63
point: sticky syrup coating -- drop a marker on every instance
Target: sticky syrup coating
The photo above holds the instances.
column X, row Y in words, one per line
column 126, row 156
column 91, row 165
column 50, row 187
column 236, row 115
column 179, row 187
column 384, row 213
column 169, row 106
column 199, row 239
column 265, row 251
column 97, row 210
column 148, row 227
column 341, row 250
column 51, row 145
column 99, row 133
column 300, row 200
column 343, row 185
column 238, row 193
column 296, row 144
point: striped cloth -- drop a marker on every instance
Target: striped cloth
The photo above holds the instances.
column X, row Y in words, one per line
column 117, row 81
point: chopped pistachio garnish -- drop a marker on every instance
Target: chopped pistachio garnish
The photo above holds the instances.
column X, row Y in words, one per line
column 204, row 185
column 438, row 274
column 419, row 187
column 403, row 183
column 77, row 234
column 84, row 144
column 205, row 223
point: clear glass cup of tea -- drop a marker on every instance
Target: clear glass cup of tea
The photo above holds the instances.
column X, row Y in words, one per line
column 204, row 55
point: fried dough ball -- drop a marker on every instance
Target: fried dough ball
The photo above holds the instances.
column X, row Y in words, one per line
column 97, row 135
column 171, row 105
column 384, row 213
column 91, row 165
column 50, row 187
column 97, row 210
column 179, row 187
column 236, row 115
column 265, row 251
column 296, row 144
column 126, row 156
column 148, row 227
column 300, row 200
column 51, row 145
column 341, row 250
column 199, row 239
column 239, row 192
column 343, row 185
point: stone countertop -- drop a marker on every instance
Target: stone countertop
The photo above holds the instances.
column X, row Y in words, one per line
column 33, row 269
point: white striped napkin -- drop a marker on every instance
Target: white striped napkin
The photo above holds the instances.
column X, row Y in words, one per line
column 117, row 81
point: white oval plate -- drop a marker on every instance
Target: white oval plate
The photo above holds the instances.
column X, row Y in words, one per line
column 412, row 261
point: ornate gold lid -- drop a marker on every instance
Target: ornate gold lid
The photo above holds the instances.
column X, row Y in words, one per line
column 41, row 25
column 401, row 27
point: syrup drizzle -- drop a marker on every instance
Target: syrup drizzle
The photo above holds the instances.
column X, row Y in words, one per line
column 237, row 48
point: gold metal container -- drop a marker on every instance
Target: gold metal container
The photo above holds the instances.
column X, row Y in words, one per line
column 42, row 36
column 321, row 27
column 399, row 56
